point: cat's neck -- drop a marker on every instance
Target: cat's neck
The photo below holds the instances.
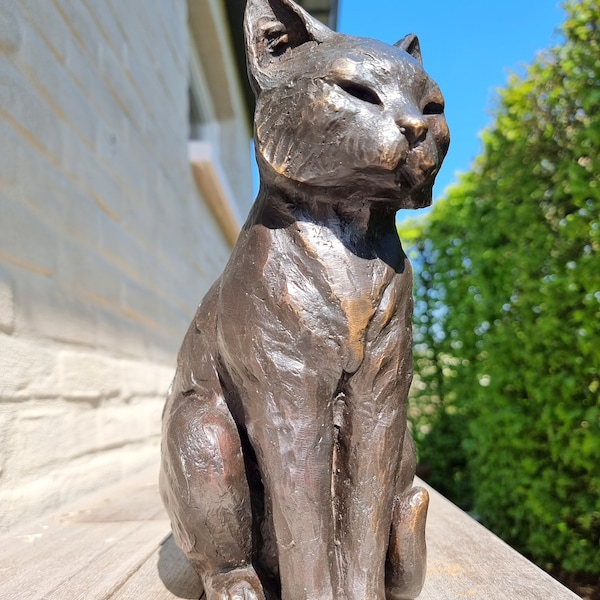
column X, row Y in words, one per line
column 363, row 215
column 365, row 226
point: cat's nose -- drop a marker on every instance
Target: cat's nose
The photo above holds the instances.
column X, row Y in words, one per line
column 413, row 128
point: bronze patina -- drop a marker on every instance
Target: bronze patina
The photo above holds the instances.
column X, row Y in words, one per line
column 287, row 465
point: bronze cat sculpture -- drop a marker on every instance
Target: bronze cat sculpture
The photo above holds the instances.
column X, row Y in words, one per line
column 287, row 465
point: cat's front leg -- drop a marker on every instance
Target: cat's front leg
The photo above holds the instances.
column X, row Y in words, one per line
column 290, row 428
column 369, row 451
column 372, row 426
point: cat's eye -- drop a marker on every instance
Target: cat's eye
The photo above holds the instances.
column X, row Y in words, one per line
column 433, row 108
column 362, row 92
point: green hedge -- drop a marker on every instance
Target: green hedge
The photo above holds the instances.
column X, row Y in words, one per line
column 506, row 402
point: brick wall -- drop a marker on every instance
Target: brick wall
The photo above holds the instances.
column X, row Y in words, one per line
column 106, row 246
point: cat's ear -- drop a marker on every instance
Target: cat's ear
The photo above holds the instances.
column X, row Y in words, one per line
column 271, row 27
column 410, row 44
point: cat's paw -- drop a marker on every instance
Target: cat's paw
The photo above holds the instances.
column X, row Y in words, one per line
column 237, row 584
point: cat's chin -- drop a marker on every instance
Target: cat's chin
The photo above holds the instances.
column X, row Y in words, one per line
column 417, row 185
column 411, row 205
column 421, row 197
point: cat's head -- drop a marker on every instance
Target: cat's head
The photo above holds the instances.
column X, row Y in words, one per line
column 342, row 112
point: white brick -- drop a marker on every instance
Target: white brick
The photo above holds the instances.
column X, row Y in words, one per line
column 16, row 495
column 112, row 154
column 62, row 431
column 138, row 457
column 112, row 73
column 124, row 251
column 10, row 29
column 86, row 74
column 79, row 111
column 108, row 466
column 45, row 192
column 119, row 334
column 25, row 238
column 65, row 482
column 176, row 318
column 120, row 424
column 7, row 434
column 149, row 412
column 81, row 26
column 27, row 368
column 80, row 220
column 7, row 303
column 88, row 275
column 140, row 303
column 162, row 346
column 107, row 25
column 66, row 209
column 142, row 379
column 46, row 19
column 81, row 164
column 174, row 20
column 87, row 375
column 75, row 97
column 9, row 151
column 179, row 298
column 144, row 78
column 140, row 31
column 36, row 120
column 50, row 311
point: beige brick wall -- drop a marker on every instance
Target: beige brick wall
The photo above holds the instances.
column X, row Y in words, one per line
column 106, row 245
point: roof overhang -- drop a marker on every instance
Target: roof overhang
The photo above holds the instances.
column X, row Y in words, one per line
column 209, row 28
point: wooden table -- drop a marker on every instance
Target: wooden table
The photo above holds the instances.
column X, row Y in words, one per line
column 116, row 544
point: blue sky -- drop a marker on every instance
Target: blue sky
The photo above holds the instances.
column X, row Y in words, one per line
column 468, row 47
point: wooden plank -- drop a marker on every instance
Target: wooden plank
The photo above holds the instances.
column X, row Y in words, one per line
column 83, row 563
column 88, row 550
column 465, row 560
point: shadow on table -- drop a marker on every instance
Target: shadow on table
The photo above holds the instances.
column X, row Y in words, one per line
column 176, row 573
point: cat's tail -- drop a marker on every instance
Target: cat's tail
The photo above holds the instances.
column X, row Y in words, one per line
column 406, row 561
column 407, row 555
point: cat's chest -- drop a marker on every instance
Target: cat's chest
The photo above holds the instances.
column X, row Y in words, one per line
column 351, row 278
column 348, row 290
